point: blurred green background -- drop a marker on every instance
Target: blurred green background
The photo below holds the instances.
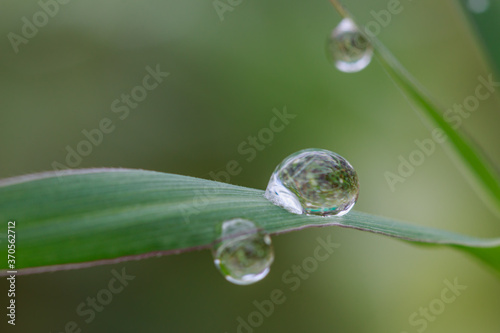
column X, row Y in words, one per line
column 225, row 79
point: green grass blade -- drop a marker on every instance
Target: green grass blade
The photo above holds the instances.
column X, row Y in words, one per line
column 97, row 216
column 469, row 158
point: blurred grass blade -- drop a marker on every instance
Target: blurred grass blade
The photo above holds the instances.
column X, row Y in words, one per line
column 478, row 170
column 88, row 217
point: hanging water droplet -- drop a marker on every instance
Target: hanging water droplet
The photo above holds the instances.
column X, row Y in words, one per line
column 243, row 254
column 349, row 49
column 314, row 182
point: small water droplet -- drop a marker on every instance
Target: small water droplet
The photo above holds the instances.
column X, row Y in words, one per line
column 314, row 182
column 478, row 6
column 349, row 49
column 244, row 253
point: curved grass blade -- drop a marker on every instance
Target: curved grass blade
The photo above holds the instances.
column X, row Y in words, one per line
column 82, row 218
column 482, row 176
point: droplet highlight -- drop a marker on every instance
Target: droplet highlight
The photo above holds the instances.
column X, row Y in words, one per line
column 348, row 47
column 314, row 182
column 243, row 253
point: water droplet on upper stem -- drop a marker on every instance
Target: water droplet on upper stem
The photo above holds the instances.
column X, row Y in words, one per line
column 349, row 49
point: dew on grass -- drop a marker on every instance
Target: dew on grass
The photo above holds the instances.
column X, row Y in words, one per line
column 349, row 49
column 314, row 182
column 243, row 253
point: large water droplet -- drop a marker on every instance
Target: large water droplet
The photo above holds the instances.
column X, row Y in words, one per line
column 314, row 182
column 349, row 49
column 244, row 253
